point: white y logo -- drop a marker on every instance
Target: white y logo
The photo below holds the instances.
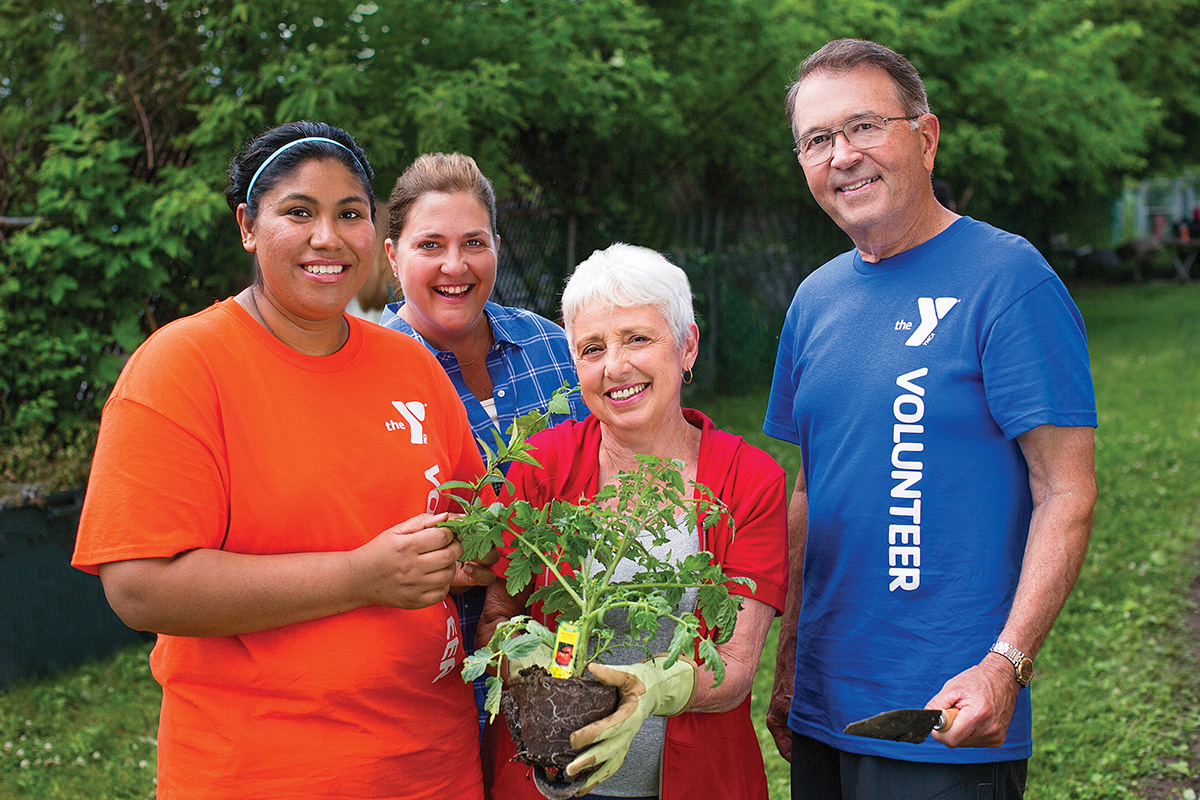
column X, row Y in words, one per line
column 931, row 311
column 414, row 414
column 431, row 501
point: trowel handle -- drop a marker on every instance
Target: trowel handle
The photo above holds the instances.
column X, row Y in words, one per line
column 948, row 715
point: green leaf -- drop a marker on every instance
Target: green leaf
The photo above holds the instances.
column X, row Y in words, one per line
column 712, row 660
column 676, row 481
column 683, row 639
column 475, row 664
column 525, row 458
column 59, row 286
column 492, row 703
column 447, row 486
column 520, row 573
column 547, row 635
column 520, row 646
column 557, row 600
column 128, row 333
column 559, row 402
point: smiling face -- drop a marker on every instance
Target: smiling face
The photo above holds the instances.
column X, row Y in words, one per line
column 445, row 260
column 630, row 366
column 313, row 240
column 881, row 197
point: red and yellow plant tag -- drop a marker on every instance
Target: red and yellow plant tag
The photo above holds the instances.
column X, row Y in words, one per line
column 564, row 650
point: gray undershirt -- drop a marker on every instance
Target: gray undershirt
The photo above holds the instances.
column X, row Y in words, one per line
column 640, row 774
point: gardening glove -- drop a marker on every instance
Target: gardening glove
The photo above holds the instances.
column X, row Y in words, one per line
column 542, row 656
column 646, row 689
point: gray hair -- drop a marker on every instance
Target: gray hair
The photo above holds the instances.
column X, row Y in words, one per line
column 843, row 55
column 626, row 275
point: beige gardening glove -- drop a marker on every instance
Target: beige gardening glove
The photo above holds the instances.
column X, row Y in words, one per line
column 646, row 689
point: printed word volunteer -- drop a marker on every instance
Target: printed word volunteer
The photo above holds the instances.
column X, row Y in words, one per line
column 904, row 538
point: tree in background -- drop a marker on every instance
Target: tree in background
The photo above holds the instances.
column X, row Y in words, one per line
column 117, row 118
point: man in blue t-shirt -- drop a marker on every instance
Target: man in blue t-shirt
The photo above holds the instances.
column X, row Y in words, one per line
column 936, row 380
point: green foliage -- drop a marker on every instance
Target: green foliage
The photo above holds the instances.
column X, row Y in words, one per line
column 39, row 463
column 120, row 217
column 118, row 118
column 582, row 543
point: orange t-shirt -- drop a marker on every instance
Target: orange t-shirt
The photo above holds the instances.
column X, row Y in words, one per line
column 219, row 436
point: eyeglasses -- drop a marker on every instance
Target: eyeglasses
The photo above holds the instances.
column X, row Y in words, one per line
column 862, row 133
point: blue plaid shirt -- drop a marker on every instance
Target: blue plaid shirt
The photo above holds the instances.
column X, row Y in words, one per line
column 530, row 359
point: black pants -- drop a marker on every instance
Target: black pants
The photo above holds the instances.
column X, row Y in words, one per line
column 820, row 772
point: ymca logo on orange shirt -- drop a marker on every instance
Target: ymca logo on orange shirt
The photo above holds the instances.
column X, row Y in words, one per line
column 414, row 415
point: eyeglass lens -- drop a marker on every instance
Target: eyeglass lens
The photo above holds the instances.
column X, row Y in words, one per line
column 860, row 132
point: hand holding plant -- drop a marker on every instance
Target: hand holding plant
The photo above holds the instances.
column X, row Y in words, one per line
column 581, row 544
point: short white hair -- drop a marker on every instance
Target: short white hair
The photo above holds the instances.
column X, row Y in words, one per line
column 624, row 275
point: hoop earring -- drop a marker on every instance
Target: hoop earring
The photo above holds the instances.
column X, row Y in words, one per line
column 687, row 375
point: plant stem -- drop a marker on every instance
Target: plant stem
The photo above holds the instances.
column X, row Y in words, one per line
column 554, row 569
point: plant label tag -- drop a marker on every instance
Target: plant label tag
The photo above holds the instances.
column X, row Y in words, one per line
column 564, row 650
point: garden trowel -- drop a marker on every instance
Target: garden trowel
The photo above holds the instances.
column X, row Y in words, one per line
column 904, row 724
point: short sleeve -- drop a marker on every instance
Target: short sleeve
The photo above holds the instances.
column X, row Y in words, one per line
column 1035, row 363
column 780, row 422
column 759, row 549
column 155, row 490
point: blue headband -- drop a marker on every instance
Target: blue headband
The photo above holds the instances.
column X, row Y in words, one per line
column 271, row 158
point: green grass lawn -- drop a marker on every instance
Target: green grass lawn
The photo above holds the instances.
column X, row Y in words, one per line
column 1115, row 701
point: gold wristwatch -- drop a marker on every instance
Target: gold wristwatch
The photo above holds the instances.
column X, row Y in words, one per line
column 1022, row 664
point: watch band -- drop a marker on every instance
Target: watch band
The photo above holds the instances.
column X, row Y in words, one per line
column 1022, row 664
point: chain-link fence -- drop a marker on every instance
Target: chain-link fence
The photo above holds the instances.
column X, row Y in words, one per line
column 743, row 267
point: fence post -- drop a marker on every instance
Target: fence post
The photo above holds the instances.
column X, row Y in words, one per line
column 572, row 229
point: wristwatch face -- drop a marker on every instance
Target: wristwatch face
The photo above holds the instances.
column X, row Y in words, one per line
column 1024, row 671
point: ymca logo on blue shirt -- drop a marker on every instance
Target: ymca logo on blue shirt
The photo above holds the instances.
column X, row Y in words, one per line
column 932, row 311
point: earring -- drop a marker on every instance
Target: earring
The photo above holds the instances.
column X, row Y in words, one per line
column 687, row 375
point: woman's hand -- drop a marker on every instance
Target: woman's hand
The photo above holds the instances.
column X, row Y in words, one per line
column 499, row 606
column 410, row 565
column 208, row 592
column 475, row 573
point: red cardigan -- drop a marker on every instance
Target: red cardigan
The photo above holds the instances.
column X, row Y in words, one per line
column 704, row 755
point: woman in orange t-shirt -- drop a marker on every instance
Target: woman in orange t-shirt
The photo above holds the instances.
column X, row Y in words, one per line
column 263, row 497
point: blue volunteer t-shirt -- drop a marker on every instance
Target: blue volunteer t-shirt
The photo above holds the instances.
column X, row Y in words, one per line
column 906, row 383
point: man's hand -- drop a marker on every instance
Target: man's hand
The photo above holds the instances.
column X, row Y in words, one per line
column 781, row 704
column 785, row 653
column 475, row 573
column 985, row 696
